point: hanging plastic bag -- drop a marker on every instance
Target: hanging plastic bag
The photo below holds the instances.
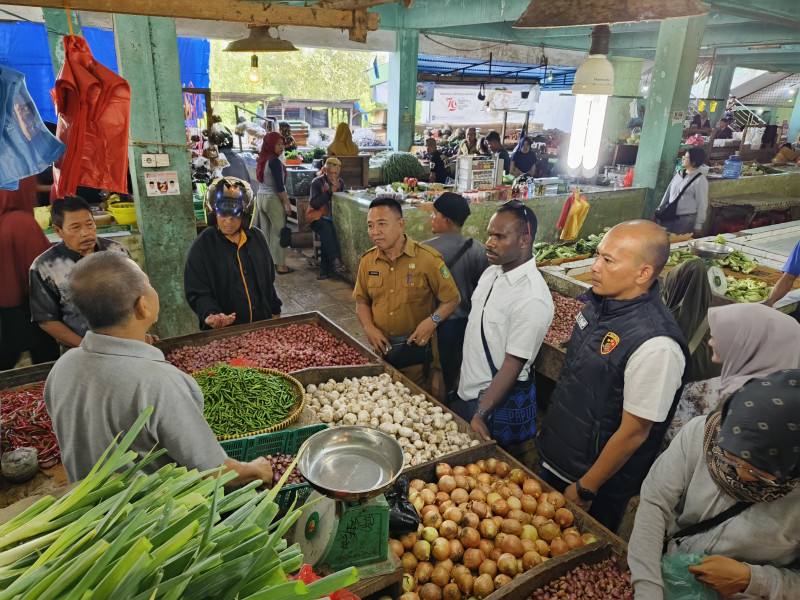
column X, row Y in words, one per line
column 628, row 180
column 679, row 583
column 403, row 517
column 26, row 146
column 577, row 215
column 93, row 106
column 562, row 220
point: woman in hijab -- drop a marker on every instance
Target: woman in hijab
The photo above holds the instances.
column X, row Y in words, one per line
column 343, row 144
column 289, row 145
column 523, row 159
column 732, row 477
column 21, row 241
column 748, row 340
column 272, row 201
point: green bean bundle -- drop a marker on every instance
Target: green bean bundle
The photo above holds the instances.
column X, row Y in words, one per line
column 241, row 400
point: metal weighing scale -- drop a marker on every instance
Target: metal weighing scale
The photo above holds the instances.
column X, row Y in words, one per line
column 348, row 525
column 708, row 251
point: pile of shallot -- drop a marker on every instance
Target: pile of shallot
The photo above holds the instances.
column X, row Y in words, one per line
column 604, row 580
column 424, row 430
column 482, row 525
column 281, row 462
column 566, row 309
column 284, row 349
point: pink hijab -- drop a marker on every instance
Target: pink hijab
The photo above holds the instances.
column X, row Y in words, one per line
column 753, row 341
column 267, row 152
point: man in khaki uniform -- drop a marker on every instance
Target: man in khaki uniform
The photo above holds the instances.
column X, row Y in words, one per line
column 399, row 284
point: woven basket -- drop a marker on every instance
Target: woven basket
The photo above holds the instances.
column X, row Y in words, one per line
column 294, row 412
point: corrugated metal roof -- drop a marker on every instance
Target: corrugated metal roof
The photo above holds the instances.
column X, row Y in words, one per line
column 551, row 77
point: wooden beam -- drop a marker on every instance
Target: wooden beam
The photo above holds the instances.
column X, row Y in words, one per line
column 567, row 13
column 352, row 4
column 240, row 11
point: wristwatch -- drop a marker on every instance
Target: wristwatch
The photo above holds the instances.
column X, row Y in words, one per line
column 483, row 412
column 436, row 319
column 583, row 493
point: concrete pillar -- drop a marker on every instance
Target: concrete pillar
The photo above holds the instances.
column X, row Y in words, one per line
column 676, row 57
column 403, row 90
column 719, row 88
column 147, row 51
column 57, row 27
column 794, row 122
column 627, row 76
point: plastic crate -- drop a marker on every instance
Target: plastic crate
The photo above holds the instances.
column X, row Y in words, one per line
column 236, row 449
column 282, row 442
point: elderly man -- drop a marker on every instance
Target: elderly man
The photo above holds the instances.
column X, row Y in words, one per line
column 229, row 275
column 51, row 307
column 621, row 381
column 98, row 389
column 469, row 146
column 319, row 216
column 398, row 285
column 511, row 312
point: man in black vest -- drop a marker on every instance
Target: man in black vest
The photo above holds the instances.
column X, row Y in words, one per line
column 621, row 381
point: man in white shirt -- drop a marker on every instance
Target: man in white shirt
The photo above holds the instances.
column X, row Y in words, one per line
column 621, row 379
column 512, row 310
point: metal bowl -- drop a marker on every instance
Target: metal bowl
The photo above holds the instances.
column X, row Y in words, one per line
column 709, row 249
column 351, row 463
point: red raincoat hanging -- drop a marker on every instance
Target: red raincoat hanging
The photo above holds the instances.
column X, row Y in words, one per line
column 93, row 106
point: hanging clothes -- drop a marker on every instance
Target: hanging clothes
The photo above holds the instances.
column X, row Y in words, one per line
column 93, row 106
column 26, row 146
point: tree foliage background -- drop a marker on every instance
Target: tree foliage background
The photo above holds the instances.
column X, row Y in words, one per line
column 311, row 73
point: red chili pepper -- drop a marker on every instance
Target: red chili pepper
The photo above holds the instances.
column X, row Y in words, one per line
column 25, row 422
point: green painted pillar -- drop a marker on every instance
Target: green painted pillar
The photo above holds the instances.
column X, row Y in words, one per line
column 57, row 27
column 719, row 89
column 147, row 51
column 675, row 61
column 627, row 75
column 403, row 89
column 794, row 122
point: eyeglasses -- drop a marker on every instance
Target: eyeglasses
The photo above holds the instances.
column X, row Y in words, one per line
column 732, row 463
column 520, row 208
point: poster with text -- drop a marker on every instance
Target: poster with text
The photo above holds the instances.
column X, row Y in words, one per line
column 162, row 183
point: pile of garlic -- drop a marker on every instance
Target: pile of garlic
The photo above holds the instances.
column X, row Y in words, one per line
column 424, row 430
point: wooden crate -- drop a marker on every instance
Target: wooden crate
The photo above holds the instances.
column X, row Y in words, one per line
column 25, row 375
column 317, row 375
column 205, row 337
column 520, row 588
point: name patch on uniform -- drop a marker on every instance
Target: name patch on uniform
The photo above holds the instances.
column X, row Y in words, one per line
column 378, row 273
column 610, row 341
column 582, row 322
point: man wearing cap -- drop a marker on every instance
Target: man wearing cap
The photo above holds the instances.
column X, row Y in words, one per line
column 229, row 276
column 466, row 260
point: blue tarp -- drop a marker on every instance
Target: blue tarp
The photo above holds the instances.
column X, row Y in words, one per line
column 24, row 47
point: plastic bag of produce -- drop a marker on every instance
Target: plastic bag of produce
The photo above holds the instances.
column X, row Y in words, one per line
column 403, row 517
column 679, row 583
column 306, row 575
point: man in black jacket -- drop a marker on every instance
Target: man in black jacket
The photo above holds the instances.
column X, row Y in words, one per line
column 621, row 380
column 229, row 276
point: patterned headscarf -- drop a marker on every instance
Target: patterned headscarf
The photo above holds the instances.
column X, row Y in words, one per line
column 759, row 424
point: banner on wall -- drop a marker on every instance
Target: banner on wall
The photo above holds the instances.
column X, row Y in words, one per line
column 460, row 104
column 425, row 90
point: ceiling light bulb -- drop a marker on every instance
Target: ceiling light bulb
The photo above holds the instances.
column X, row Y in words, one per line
column 253, row 76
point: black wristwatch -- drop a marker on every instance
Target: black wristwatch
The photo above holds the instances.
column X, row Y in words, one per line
column 583, row 493
column 482, row 412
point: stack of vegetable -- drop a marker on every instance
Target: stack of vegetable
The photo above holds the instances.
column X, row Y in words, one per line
column 604, row 580
column 424, row 430
column 747, row 290
column 241, row 400
column 121, row 534
column 282, row 348
column 545, row 251
column 481, row 526
column 395, row 166
column 735, row 261
column 26, row 423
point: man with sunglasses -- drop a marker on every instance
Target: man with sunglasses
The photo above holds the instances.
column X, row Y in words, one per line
column 229, row 276
column 511, row 312
column 621, row 381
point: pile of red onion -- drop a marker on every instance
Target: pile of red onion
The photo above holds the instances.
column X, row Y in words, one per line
column 604, row 580
column 563, row 319
column 284, row 349
column 281, row 462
